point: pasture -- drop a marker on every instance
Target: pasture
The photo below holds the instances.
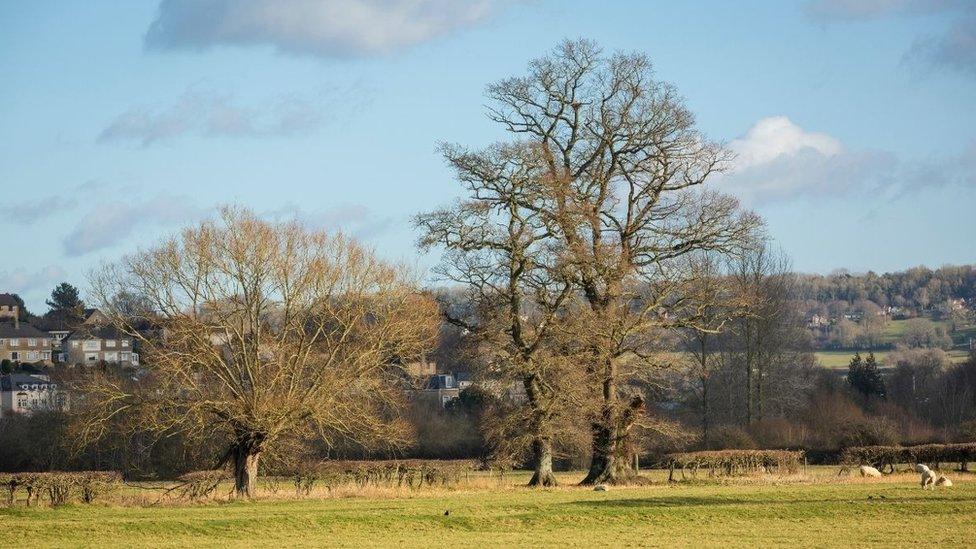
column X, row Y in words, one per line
column 839, row 360
column 815, row 509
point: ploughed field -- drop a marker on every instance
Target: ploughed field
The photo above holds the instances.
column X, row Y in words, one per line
column 817, row 509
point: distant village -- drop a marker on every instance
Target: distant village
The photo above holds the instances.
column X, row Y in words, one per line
column 29, row 350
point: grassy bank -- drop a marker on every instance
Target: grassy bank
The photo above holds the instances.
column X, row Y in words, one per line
column 892, row 511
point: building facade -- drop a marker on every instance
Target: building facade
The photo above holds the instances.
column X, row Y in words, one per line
column 21, row 342
column 29, row 393
column 92, row 344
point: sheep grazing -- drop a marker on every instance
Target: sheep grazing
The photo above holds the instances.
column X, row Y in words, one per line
column 928, row 479
column 943, row 481
column 867, row 471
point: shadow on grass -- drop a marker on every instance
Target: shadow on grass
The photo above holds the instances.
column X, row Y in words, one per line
column 691, row 501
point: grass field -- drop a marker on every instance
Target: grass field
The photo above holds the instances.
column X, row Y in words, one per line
column 889, row 512
column 836, row 360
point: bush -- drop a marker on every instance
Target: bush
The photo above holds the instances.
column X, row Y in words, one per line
column 730, row 437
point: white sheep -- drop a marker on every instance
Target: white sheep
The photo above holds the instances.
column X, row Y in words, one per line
column 868, row 471
column 921, row 468
column 928, row 478
column 943, row 481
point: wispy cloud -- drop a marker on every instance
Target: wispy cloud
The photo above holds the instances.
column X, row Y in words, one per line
column 321, row 28
column 111, row 222
column 777, row 160
column 954, row 48
column 22, row 281
column 353, row 219
column 33, row 211
column 210, row 114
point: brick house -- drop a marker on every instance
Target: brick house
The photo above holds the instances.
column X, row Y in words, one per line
column 21, row 342
column 94, row 343
column 28, row 393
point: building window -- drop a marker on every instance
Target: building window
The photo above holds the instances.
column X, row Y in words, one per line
column 14, row 355
column 91, row 357
column 32, row 355
column 124, row 356
column 15, row 343
column 90, row 345
column 125, row 342
column 111, row 357
column 21, row 400
column 46, row 355
column 31, row 342
column 74, row 344
column 110, row 343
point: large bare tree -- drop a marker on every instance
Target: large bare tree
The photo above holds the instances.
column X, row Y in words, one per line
column 502, row 254
column 624, row 167
column 264, row 332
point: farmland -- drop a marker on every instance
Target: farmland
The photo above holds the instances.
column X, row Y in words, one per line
column 819, row 509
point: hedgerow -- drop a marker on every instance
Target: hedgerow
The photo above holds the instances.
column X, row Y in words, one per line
column 886, row 457
column 59, row 487
column 733, row 462
column 412, row 473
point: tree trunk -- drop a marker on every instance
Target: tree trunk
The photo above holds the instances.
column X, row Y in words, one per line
column 245, row 468
column 541, row 433
column 611, row 462
column 542, row 461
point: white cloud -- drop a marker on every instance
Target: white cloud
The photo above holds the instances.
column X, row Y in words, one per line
column 322, row 28
column 210, row 114
column 776, row 136
column 778, row 160
column 111, row 222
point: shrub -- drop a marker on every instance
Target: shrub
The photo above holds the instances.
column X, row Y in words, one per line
column 730, row 437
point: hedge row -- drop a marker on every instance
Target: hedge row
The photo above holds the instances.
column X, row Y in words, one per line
column 885, row 457
column 59, row 487
column 732, row 462
column 412, row 473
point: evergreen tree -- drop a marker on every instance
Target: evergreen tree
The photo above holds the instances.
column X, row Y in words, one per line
column 864, row 376
column 66, row 307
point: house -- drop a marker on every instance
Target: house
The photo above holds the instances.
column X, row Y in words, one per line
column 21, row 342
column 94, row 343
column 463, row 380
column 28, row 393
column 9, row 307
column 441, row 388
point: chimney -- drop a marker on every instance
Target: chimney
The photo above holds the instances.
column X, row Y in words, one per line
column 16, row 317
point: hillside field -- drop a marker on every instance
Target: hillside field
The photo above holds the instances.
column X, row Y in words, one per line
column 827, row 512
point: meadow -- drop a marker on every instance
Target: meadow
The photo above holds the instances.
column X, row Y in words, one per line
column 816, row 508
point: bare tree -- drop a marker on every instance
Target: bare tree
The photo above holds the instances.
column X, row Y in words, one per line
column 501, row 252
column 623, row 161
column 265, row 332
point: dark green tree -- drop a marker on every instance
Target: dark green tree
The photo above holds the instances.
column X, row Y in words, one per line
column 864, row 376
column 66, row 307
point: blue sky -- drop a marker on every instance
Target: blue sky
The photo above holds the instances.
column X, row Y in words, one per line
column 854, row 121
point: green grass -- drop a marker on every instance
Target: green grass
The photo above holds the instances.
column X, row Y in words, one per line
column 839, row 360
column 889, row 512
